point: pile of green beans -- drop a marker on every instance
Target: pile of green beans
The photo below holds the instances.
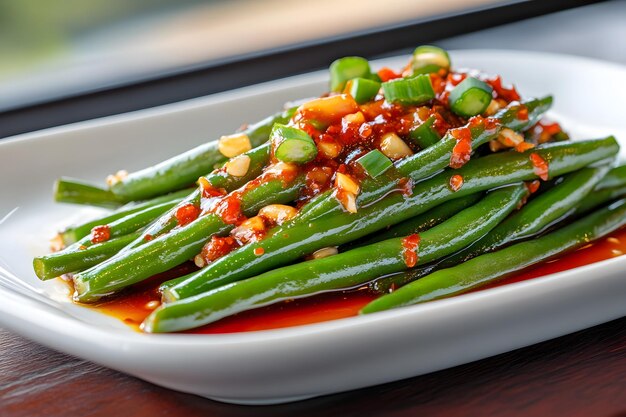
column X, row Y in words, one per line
column 420, row 227
column 171, row 249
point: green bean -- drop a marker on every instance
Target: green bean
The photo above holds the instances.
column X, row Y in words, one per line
column 73, row 233
column 339, row 271
column 425, row 221
column 532, row 219
column 287, row 243
column 598, row 198
column 184, row 169
column 614, row 178
column 70, row 190
column 170, row 175
column 496, row 265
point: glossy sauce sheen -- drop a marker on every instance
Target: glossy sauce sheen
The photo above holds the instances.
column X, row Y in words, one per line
column 133, row 306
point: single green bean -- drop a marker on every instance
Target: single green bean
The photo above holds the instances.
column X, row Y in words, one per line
column 73, row 191
column 59, row 263
column 344, row 270
column 616, row 177
column 425, row 221
column 73, row 233
column 288, row 243
column 492, row 266
column 184, row 169
column 598, row 198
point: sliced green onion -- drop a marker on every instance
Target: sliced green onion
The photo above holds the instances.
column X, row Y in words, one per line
column 415, row 90
column 292, row 145
column 345, row 69
column 374, row 163
column 424, row 134
column 362, row 89
column 470, row 97
column 427, row 59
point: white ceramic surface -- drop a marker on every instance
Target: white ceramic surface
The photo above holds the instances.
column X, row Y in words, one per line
column 288, row 364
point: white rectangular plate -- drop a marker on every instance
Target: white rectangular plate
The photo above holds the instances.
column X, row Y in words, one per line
column 288, row 364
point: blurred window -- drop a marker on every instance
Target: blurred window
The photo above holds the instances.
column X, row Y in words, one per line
column 55, row 48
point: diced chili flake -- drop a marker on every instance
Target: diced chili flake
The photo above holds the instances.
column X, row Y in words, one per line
column 365, row 131
column 410, row 245
column 522, row 113
column 508, row 94
column 100, row 234
column 405, row 186
column 533, row 186
column 523, row 146
column 550, row 128
column 387, row 74
column 456, row 182
column 259, row 251
column 543, row 131
column 476, row 121
column 229, row 209
column 186, row 214
column 148, row 237
column 490, row 123
column 462, row 150
column 540, row 166
column 456, row 78
column 218, row 247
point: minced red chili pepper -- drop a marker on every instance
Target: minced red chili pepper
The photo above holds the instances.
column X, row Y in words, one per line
column 387, row 74
column 218, row 247
column 540, row 166
column 405, row 186
column 508, row 94
column 456, row 182
column 522, row 113
column 100, row 234
column 410, row 245
column 462, row 150
column 533, row 186
column 229, row 209
column 186, row 214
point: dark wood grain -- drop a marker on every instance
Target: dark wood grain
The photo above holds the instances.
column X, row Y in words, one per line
column 579, row 375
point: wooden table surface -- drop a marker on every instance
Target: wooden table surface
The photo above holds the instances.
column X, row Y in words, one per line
column 579, row 375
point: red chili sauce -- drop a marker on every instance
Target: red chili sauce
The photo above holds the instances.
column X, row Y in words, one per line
column 136, row 304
